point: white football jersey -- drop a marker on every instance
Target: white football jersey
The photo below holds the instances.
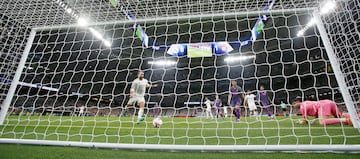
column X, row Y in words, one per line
column 139, row 86
column 250, row 99
column 208, row 104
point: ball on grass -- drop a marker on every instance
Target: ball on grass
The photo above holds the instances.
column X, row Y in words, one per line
column 157, row 122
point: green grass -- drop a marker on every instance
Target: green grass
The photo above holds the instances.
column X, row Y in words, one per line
column 196, row 131
column 53, row 152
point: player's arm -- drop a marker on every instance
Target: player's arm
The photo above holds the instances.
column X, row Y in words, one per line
column 132, row 90
column 245, row 100
column 149, row 85
column 268, row 97
column 229, row 98
column 305, row 117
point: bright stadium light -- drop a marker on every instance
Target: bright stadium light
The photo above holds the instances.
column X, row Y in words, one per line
column 100, row 37
column 82, row 22
column 328, row 7
column 69, row 10
column 311, row 22
column 107, row 43
column 96, row 33
column 238, row 58
column 300, row 33
column 308, row 25
column 162, row 62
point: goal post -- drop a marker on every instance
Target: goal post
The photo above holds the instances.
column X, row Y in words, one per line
column 350, row 105
column 72, row 83
column 14, row 83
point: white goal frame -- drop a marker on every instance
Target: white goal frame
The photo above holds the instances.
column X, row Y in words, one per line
column 301, row 147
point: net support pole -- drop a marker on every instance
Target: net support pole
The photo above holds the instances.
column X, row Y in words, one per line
column 15, row 80
column 165, row 147
column 337, row 71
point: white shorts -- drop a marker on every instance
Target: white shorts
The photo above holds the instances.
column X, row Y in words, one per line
column 208, row 109
column 225, row 110
column 252, row 107
column 137, row 99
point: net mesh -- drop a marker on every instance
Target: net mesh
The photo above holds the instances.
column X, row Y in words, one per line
column 91, row 68
column 343, row 39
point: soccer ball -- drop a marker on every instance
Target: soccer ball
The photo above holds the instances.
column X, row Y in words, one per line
column 157, row 122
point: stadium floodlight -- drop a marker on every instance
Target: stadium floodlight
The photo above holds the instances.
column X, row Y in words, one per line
column 328, row 7
column 69, row 10
column 162, row 63
column 100, row 37
column 238, row 58
column 82, row 22
column 300, row 33
column 96, row 33
column 107, row 43
column 311, row 22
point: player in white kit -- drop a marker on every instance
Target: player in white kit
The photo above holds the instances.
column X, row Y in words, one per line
column 250, row 101
column 137, row 93
column 208, row 108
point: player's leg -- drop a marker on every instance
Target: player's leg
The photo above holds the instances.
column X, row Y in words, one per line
column 195, row 112
column 129, row 103
column 267, row 107
column 141, row 102
column 284, row 111
column 326, row 120
column 225, row 112
column 237, row 113
column 207, row 113
column 218, row 112
column 237, row 110
column 232, row 111
column 252, row 109
column 328, row 109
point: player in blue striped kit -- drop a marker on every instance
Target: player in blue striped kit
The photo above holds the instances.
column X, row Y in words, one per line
column 235, row 99
column 265, row 101
column 218, row 105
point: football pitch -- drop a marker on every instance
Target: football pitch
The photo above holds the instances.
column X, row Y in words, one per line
column 188, row 131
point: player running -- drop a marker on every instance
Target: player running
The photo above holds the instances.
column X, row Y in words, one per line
column 235, row 99
column 265, row 101
column 137, row 93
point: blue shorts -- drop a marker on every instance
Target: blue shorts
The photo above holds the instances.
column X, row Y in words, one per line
column 235, row 102
column 218, row 109
column 265, row 103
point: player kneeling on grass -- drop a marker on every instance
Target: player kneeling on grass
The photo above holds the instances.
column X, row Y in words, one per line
column 137, row 93
column 321, row 110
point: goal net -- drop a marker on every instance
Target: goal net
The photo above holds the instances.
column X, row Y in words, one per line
column 67, row 68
